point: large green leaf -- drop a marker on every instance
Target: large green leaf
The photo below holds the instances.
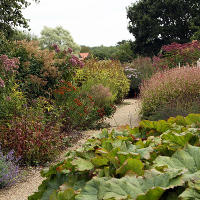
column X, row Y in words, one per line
column 149, row 187
column 192, row 193
column 82, row 164
column 187, row 159
column 133, row 165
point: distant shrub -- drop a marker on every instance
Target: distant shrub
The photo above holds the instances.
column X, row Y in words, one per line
column 9, row 170
column 138, row 70
column 176, row 90
column 176, row 54
column 106, row 72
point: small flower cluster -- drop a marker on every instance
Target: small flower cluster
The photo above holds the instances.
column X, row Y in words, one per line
column 131, row 72
column 56, row 48
column 2, row 84
column 68, row 87
column 9, row 64
column 76, row 61
column 9, row 169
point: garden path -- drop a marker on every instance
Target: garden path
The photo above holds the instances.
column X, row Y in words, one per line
column 127, row 113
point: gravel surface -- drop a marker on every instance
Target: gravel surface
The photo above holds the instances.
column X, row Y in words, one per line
column 126, row 114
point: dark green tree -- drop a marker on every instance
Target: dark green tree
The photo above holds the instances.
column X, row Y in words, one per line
column 11, row 15
column 154, row 23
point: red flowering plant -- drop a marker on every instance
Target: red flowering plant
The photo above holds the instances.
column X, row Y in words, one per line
column 175, row 54
column 78, row 110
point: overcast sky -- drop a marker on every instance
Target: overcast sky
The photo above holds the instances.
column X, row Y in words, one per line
column 90, row 22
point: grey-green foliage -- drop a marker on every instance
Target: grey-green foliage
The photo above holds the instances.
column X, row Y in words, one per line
column 59, row 36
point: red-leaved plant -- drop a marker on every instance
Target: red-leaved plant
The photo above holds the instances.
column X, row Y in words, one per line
column 31, row 139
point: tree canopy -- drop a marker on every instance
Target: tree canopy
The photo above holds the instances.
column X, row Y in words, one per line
column 59, row 36
column 11, row 15
column 154, row 23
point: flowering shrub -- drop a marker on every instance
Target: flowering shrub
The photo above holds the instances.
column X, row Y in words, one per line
column 138, row 70
column 9, row 169
column 176, row 88
column 175, row 54
column 41, row 70
column 106, row 72
column 78, row 108
column 11, row 98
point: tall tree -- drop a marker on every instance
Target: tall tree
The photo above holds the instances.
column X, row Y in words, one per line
column 11, row 15
column 154, row 23
column 59, row 36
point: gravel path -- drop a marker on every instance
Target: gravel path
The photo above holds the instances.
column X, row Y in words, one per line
column 126, row 114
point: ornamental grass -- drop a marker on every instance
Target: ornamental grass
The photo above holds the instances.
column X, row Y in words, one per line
column 174, row 91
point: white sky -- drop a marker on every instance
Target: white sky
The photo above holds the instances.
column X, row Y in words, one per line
column 90, row 22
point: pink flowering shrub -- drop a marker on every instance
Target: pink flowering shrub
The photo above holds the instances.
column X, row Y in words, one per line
column 11, row 98
column 40, row 70
column 177, row 88
column 175, row 54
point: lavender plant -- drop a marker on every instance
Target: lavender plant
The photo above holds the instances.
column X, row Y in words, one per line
column 9, row 169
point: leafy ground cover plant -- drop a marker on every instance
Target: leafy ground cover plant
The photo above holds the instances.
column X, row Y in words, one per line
column 130, row 164
column 9, row 169
column 106, row 72
column 175, row 91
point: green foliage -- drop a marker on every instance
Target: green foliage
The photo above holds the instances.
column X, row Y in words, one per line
column 11, row 15
column 171, row 93
column 59, row 36
column 155, row 23
column 122, row 52
column 156, row 160
column 108, row 73
column 6, row 45
column 23, row 35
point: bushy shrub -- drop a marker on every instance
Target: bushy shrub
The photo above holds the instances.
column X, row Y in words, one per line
column 106, row 72
column 11, row 98
column 78, row 107
column 40, row 70
column 177, row 90
column 175, row 54
column 9, row 169
column 33, row 137
column 138, row 70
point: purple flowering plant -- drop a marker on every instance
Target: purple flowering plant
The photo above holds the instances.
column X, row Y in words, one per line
column 9, row 169
column 70, row 64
